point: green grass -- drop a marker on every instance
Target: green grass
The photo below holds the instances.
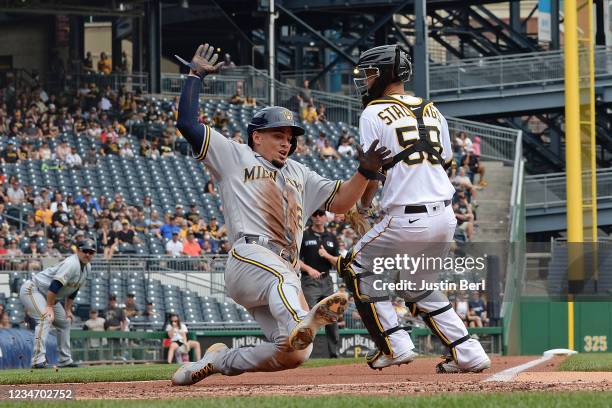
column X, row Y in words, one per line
column 588, row 362
column 120, row 372
column 498, row 400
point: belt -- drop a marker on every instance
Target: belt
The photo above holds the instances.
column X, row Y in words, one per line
column 286, row 254
column 415, row 209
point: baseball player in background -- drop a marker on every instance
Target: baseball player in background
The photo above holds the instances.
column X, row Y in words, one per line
column 416, row 199
column 41, row 297
column 266, row 197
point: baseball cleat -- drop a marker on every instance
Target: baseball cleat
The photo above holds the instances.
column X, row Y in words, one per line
column 450, row 367
column 40, row 365
column 192, row 373
column 327, row 311
column 381, row 360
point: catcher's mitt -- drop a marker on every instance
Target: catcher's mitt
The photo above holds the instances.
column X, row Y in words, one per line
column 358, row 221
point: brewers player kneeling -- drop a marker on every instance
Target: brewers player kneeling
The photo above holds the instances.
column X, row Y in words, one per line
column 41, row 295
column 266, row 197
column 416, row 199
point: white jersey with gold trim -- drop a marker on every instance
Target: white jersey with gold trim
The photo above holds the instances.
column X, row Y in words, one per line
column 419, row 179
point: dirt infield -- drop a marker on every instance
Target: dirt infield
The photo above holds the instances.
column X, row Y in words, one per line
column 417, row 378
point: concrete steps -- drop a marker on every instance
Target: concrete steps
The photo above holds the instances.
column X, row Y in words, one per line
column 493, row 208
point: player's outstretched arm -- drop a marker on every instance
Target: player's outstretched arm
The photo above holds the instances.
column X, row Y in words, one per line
column 352, row 190
column 202, row 64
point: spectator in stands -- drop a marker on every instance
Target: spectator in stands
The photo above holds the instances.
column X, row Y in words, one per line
column 130, row 309
column 5, row 322
column 237, row 99
column 237, row 137
column 476, row 146
column 50, row 249
column 3, row 266
column 118, row 203
column 465, row 313
column 62, row 151
column 33, row 263
column 227, row 62
column 193, row 215
column 169, row 228
column 87, row 64
column 126, row 151
column 302, row 147
column 124, row 239
column 62, row 244
column 115, row 316
column 305, row 93
column 105, row 238
column 15, row 193
column 472, row 162
column 478, row 308
column 309, row 113
column 73, row 159
column 462, row 182
column 174, row 247
column 43, row 213
column 320, row 142
column 58, row 203
column 328, row 152
column 210, row 186
column 177, row 332
column 150, row 313
column 321, row 113
column 44, row 152
column 105, row 64
column 97, row 324
column 191, row 247
column 155, row 224
column 346, row 147
column 219, row 119
column 9, row 155
column 14, row 252
column 464, row 215
column 225, row 247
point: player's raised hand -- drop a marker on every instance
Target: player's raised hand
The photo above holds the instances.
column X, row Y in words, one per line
column 372, row 160
column 204, row 61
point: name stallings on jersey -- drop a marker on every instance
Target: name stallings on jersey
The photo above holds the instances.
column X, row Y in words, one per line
column 420, row 178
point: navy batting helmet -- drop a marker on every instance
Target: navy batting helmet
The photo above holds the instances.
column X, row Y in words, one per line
column 387, row 64
column 273, row 117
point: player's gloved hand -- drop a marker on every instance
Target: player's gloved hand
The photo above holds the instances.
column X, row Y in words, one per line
column 204, row 61
column 372, row 160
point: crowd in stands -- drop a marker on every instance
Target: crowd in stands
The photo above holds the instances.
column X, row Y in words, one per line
column 30, row 118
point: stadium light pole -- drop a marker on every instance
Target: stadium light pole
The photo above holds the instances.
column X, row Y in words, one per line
column 271, row 50
column 573, row 166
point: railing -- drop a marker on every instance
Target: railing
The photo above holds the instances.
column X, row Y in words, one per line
column 549, row 190
column 516, row 259
column 497, row 143
column 497, row 73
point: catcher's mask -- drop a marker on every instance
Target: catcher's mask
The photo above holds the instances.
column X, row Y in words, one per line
column 385, row 64
column 273, row 117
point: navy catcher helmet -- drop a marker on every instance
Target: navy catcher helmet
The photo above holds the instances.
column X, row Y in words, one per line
column 273, row 117
column 386, row 64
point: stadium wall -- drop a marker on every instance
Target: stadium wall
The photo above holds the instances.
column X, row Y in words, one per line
column 28, row 44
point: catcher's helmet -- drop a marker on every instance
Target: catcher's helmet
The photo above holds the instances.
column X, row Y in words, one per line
column 273, row 117
column 387, row 64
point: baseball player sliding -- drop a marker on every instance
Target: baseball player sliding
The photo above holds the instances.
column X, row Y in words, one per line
column 419, row 219
column 266, row 197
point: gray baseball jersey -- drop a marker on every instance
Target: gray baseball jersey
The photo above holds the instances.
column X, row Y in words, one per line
column 69, row 272
column 259, row 198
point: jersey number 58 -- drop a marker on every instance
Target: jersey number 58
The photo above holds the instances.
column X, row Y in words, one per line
column 408, row 135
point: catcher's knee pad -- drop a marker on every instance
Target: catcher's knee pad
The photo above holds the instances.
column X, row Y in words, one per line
column 442, row 320
column 365, row 304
